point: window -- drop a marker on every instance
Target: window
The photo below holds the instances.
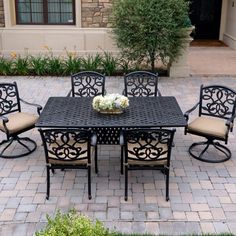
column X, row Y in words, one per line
column 45, row 12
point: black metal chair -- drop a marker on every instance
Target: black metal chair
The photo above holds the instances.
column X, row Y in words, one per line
column 13, row 121
column 141, row 84
column 215, row 119
column 146, row 149
column 68, row 149
column 87, row 84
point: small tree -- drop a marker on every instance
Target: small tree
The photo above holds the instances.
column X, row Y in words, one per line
column 150, row 29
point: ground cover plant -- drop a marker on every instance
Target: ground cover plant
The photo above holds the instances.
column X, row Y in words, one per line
column 64, row 65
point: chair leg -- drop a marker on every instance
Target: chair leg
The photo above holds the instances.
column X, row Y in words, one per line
column 28, row 144
column 122, row 160
column 89, row 183
column 167, row 172
column 48, row 183
column 126, row 183
column 223, row 149
column 96, row 159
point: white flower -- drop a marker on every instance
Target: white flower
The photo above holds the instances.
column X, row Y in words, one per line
column 110, row 102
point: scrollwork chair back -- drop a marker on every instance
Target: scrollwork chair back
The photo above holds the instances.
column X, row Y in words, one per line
column 87, row 84
column 147, row 149
column 67, row 149
column 14, row 122
column 215, row 120
column 141, row 84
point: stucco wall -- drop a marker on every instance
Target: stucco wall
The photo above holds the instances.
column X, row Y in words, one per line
column 2, row 21
column 230, row 28
column 95, row 13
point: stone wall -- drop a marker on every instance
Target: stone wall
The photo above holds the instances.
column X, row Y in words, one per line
column 2, row 21
column 95, row 13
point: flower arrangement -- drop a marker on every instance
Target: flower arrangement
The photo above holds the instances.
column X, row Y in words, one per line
column 110, row 103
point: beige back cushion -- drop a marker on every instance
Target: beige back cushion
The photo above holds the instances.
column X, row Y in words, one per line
column 55, row 160
column 162, row 159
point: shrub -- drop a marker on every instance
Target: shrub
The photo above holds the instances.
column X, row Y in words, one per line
column 54, row 66
column 21, row 66
column 38, row 65
column 72, row 64
column 74, row 225
column 150, row 30
column 5, row 66
column 91, row 63
column 109, row 64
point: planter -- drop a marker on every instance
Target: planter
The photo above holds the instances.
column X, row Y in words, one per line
column 112, row 111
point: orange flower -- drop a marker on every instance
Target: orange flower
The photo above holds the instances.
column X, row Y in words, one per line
column 45, row 46
column 13, row 55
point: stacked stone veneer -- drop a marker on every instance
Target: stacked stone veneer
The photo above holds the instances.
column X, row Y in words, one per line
column 2, row 21
column 95, row 13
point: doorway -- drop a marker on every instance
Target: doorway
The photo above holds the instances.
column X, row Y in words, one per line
column 205, row 15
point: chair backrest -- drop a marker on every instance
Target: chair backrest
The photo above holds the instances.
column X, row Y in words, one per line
column 148, row 145
column 217, row 101
column 66, row 145
column 9, row 98
column 87, row 84
column 141, row 84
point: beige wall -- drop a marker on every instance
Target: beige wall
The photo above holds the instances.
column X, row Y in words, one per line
column 230, row 27
column 32, row 39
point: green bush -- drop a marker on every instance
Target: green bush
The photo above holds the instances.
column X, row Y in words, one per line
column 21, row 66
column 38, row 65
column 109, row 64
column 5, row 66
column 147, row 31
column 50, row 65
column 72, row 224
column 72, row 64
column 91, row 63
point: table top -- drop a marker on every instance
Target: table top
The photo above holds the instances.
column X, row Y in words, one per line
column 75, row 112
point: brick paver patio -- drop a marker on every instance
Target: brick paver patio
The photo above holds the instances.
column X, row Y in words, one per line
column 202, row 195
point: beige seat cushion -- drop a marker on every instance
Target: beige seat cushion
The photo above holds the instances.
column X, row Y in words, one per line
column 19, row 121
column 162, row 160
column 209, row 126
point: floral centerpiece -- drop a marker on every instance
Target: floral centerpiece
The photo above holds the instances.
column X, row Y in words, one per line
column 110, row 104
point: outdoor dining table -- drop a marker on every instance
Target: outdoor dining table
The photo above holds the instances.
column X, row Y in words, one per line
column 143, row 112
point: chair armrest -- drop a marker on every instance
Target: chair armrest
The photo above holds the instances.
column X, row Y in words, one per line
column 94, row 139
column 230, row 122
column 186, row 114
column 70, row 93
column 159, row 93
column 122, row 140
column 39, row 108
column 4, row 121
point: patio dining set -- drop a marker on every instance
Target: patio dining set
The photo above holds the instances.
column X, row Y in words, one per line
column 71, row 129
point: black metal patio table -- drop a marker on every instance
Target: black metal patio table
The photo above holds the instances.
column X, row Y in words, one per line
column 145, row 112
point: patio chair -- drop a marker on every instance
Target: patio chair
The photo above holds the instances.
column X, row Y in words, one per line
column 216, row 113
column 15, row 122
column 146, row 149
column 141, row 84
column 87, row 84
column 68, row 149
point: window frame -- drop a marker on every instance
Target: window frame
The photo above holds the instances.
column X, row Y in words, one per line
column 45, row 15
